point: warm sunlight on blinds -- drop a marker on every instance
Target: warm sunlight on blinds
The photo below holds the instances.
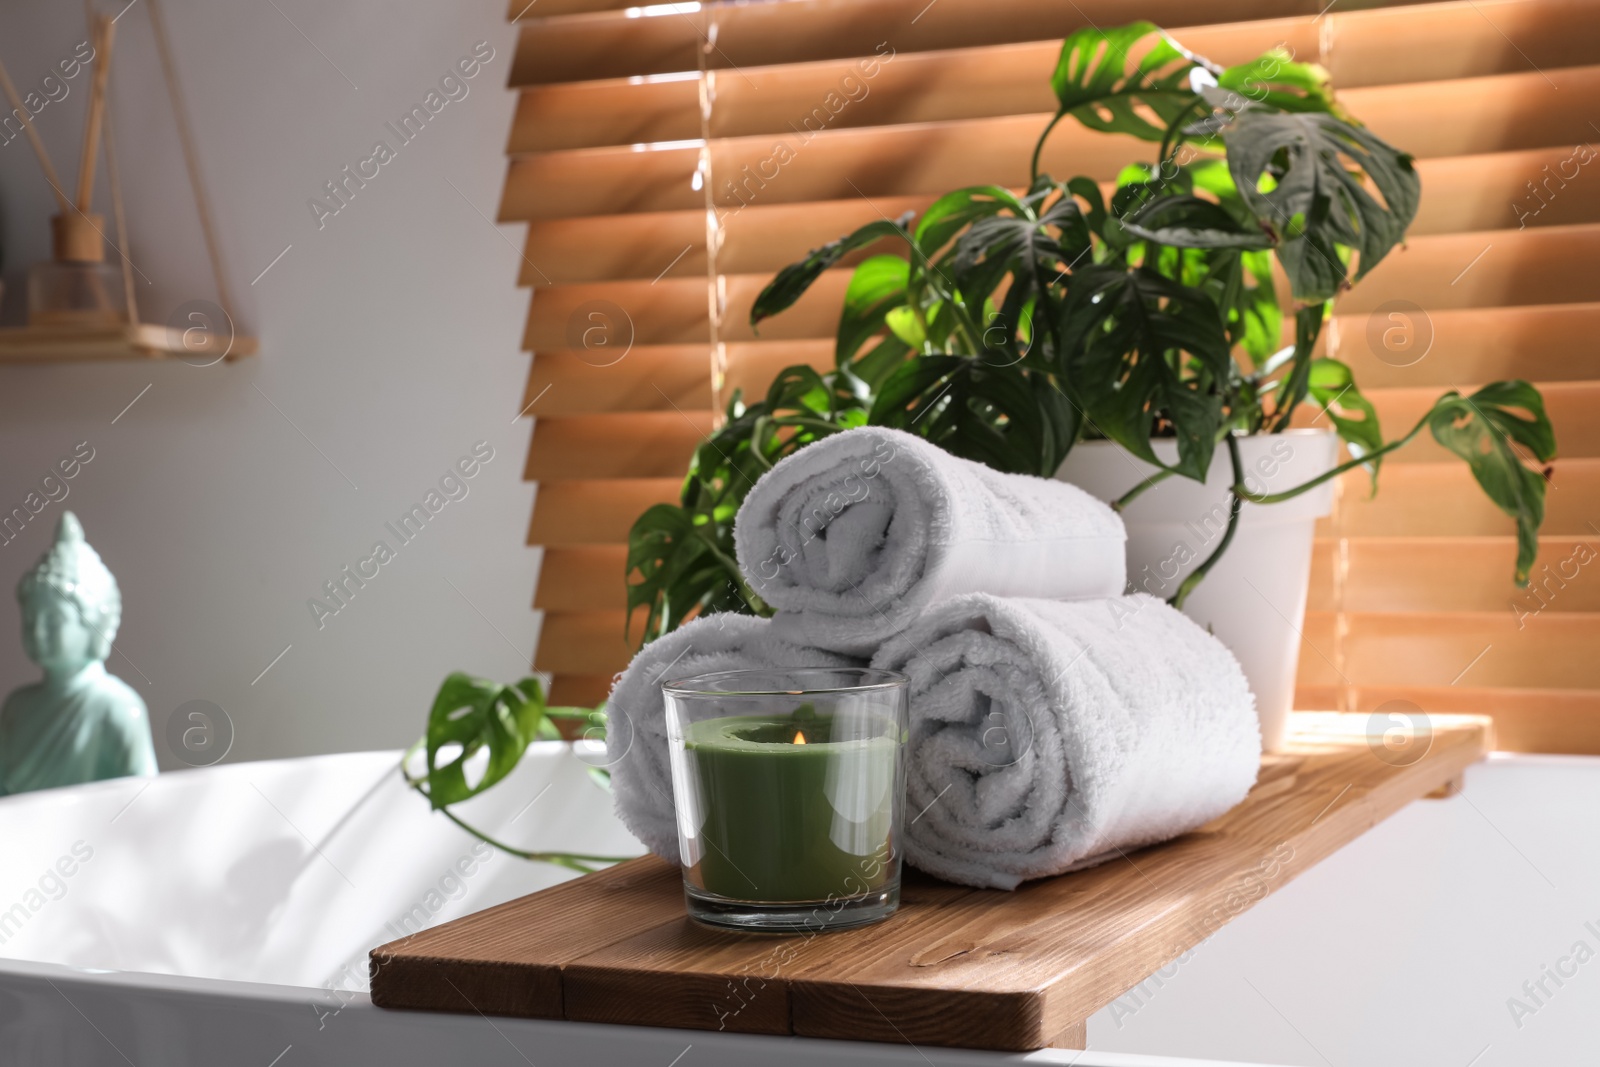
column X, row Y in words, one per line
column 669, row 159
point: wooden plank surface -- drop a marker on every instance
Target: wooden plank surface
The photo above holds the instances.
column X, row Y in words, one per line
column 24, row 344
column 507, row 960
column 955, row 966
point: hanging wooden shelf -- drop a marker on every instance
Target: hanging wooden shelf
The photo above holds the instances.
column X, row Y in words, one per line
column 76, row 291
column 62, row 344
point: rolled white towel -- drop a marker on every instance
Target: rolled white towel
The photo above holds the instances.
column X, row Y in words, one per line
column 853, row 537
column 636, row 729
column 1049, row 735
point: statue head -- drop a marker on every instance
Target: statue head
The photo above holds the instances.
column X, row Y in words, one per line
column 71, row 606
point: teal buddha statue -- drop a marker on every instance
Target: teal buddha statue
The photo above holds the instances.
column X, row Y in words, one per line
column 79, row 723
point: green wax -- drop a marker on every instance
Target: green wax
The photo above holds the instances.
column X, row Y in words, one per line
column 784, row 822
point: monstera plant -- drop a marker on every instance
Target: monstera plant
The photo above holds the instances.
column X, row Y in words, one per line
column 1007, row 326
column 478, row 731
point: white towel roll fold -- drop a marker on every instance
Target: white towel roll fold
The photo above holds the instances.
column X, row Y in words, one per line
column 636, row 732
column 1049, row 735
column 854, row 537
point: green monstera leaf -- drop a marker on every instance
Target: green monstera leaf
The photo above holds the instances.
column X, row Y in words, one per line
column 1332, row 385
column 1294, row 172
column 996, row 414
column 1485, row 429
column 1020, row 252
column 1255, row 319
column 1489, row 430
column 1137, row 345
column 955, row 211
column 1187, row 221
column 472, row 714
column 1274, row 80
column 1097, row 82
column 792, row 281
column 876, row 298
column 684, row 568
column 681, row 557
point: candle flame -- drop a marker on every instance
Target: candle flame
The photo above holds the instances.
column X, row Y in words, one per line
column 799, row 738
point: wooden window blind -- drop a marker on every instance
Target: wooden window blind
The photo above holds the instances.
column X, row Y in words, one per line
column 669, row 159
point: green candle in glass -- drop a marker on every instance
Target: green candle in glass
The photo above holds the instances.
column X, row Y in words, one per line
column 789, row 788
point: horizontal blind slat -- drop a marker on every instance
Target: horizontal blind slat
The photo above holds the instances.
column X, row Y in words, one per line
column 645, row 246
column 1511, row 112
column 1525, row 720
column 759, row 35
column 1570, row 405
column 1495, row 269
column 1472, row 194
column 1563, row 721
column 543, row 9
column 1478, row 649
column 632, row 445
column 601, row 181
column 591, row 114
column 1548, row 344
column 1552, row 342
column 583, row 642
column 607, row 318
column 1437, row 574
column 1461, row 194
column 610, row 44
column 579, row 690
column 595, row 512
column 752, row 365
column 647, row 378
column 1443, row 500
column 582, row 578
column 1461, row 40
column 1441, row 272
column 1014, row 78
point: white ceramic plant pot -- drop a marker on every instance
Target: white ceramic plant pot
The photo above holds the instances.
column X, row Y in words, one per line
column 1254, row 599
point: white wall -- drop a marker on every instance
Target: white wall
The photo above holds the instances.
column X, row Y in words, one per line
column 389, row 340
column 1448, row 934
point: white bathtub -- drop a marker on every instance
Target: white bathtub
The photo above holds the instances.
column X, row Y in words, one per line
column 223, row 916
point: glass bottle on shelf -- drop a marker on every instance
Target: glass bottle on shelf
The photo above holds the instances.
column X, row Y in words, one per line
column 77, row 288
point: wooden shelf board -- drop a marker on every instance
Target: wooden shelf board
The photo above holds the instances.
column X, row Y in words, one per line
column 55, row 344
column 955, row 966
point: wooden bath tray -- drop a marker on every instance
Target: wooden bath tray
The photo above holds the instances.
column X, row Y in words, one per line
column 955, row 966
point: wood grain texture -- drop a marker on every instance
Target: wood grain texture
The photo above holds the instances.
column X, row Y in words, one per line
column 587, row 642
column 1368, row 49
column 1563, row 721
column 595, row 512
column 499, row 962
column 1463, row 194
column 608, row 44
column 145, row 340
column 580, row 690
column 955, row 966
column 1512, row 113
column 583, row 578
column 635, row 444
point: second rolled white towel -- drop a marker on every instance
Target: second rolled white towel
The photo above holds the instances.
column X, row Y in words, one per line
column 1049, row 735
column 636, row 724
column 854, row 537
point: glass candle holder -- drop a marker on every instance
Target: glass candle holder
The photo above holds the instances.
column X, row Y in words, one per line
column 790, row 793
